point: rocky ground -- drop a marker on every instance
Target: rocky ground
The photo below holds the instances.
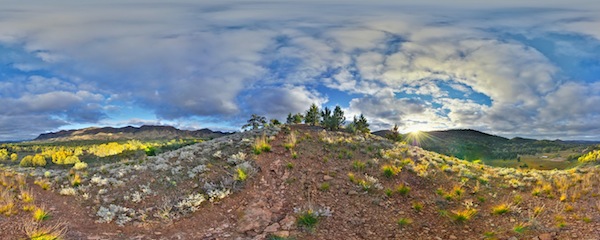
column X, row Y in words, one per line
column 312, row 184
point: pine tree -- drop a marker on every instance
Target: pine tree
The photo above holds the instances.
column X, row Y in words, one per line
column 339, row 118
column 312, row 115
column 361, row 124
column 326, row 118
column 289, row 119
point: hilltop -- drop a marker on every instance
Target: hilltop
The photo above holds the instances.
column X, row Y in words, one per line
column 304, row 182
column 145, row 132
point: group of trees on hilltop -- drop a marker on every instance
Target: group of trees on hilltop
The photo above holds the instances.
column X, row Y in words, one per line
column 327, row 118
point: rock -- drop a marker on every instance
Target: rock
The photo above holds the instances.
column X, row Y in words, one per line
column 288, row 223
column 272, row 228
column 453, row 237
column 327, row 178
column 94, row 237
column 513, row 238
column 260, row 237
column 282, row 234
column 352, row 192
column 545, row 236
column 254, row 218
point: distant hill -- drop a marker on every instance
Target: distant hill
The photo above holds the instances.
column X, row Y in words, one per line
column 145, row 132
column 471, row 144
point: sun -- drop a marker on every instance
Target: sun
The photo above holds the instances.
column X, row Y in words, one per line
column 416, row 137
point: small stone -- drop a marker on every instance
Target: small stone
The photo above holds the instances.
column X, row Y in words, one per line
column 288, row 222
column 513, row 238
column 282, row 234
column 272, row 228
column 512, row 220
column 327, row 178
column 352, row 192
column 157, row 233
column 94, row 238
column 453, row 237
column 545, row 236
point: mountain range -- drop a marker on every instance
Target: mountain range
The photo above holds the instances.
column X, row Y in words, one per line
column 145, row 132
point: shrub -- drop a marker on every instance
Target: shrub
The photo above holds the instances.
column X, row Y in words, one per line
column 324, row 186
column 404, row 221
column 76, row 180
column 463, row 216
column 26, row 196
column 291, row 141
column 417, row 206
column 388, row 192
column 35, row 231
column 307, row 220
column 44, row 184
column 358, row 165
column 80, row 166
column 40, row 214
column 390, row 170
column 520, row 228
column 352, row 178
column 241, row 174
column 261, row 144
column 501, row 209
column 403, row 189
column 71, row 160
column 27, row 161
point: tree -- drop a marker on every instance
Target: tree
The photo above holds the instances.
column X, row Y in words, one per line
column 275, row 122
column 289, row 119
column 298, row 118
column 361, row 124
column 333, row 121
column 326, row 117
column 255, row 122
column 338, row 116
column 312, row 115
column 394, row 135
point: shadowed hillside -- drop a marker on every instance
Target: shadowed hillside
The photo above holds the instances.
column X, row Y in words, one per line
column 474, row 145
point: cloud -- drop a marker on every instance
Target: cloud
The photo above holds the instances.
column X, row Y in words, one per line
column 423, row 64
column 278, row 102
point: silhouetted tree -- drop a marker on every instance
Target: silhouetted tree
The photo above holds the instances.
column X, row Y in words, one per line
column 395, row 134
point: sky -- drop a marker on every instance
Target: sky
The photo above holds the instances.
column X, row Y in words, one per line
column 512, row 68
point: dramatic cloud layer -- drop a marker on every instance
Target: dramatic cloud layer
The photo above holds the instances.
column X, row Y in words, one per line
column 508, row 68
